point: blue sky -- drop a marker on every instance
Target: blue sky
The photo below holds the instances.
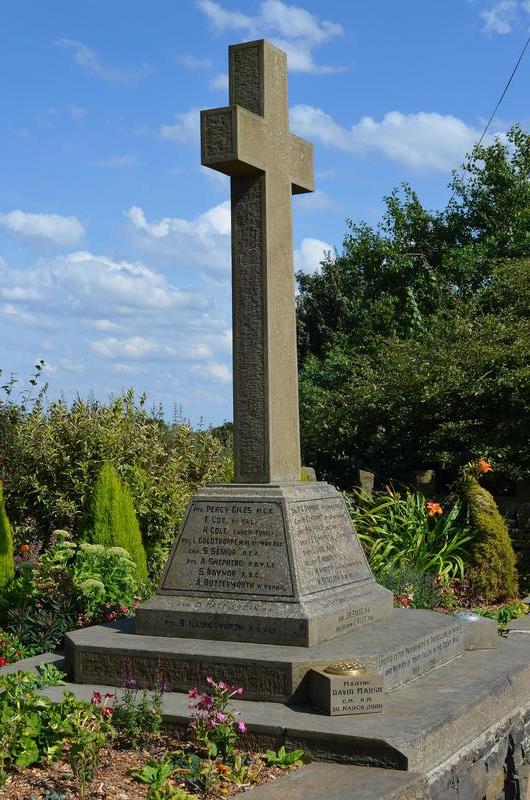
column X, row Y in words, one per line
column 114, row 241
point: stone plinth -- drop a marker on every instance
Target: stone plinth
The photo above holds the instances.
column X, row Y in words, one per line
column 265, row 563
column 406, row 645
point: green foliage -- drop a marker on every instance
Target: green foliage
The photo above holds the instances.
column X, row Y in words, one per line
column 397, row 531
column 52, row 455
column 214, row 723
column 413, row 588
column 111, row 520
column 414, row 339
column 87, row 731
column 137, row 715
column 104, row 575
column 492, row 572
column 157, row 774
column 506, row 612
column 34, row 730
column 284, row 759
column 7, row 564
column 68, row 586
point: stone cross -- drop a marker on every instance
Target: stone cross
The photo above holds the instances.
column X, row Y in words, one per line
column 250, row 141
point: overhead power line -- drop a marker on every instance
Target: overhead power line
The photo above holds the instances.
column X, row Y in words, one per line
column 501, row 98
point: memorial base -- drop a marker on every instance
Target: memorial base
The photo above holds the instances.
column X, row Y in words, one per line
column 276, row 564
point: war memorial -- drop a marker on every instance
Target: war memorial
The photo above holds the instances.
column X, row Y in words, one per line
column 267, row 584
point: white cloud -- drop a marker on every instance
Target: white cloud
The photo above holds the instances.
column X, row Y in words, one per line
column 16, row 316
column 424, row 140
column 66, row 231
column 135, row 347
column 97, row 287
column 500, row 17
column 310, row 253
column 127, row 160
column 204, row 241
column 219, row 82
column 77, row 112
column 185, row 129
column 87, row 58
column 216, row 370
column 193, row 62
column 290, row 27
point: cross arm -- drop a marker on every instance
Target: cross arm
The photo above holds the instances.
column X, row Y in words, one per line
column 302, row 172
column 232, row 141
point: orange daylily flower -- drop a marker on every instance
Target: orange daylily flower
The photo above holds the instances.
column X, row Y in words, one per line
column 24, row 548
column 434, row 509
column 483, row 465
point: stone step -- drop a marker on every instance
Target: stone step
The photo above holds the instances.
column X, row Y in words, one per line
column 340, row 782
column 465, row 727
column 456, row 725
column 407, row 645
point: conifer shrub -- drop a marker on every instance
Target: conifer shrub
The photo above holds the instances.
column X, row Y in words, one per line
column 7, row 564
column 492, row 571
column 112, row 521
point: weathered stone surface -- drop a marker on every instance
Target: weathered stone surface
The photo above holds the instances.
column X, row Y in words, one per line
column 278, row 564
column 480, row 633
column 250, row 141
column 346, row 694
column 364, row 481
column 519, row 626
column 401, row 649
column 341, row 782
column 438, row 725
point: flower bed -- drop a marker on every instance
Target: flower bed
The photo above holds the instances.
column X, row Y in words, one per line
column 112, row 747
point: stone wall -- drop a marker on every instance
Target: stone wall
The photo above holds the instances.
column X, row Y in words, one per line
column 494, row 767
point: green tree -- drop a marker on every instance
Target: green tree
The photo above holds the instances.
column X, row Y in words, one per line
column 112, row 521
column 7, row 564
column 414, row 340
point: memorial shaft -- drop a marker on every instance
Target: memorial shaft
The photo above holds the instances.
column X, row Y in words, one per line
column 250, row 141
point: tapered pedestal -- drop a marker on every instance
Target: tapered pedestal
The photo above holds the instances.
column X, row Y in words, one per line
column 276, row 564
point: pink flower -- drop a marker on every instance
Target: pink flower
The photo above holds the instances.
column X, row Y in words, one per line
column 241, row 727
column 220, row 717
column 109, row 695
column 222, row 685
column 210, row 681
column 238, row 690
column 206, row 701
column 123, row 609
column 106, row 711
column 96, row 697
column 193, row 692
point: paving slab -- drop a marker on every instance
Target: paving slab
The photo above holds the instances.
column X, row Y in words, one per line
column 340, row 782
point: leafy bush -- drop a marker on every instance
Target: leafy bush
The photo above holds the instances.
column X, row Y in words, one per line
column 69, row 586
column 7, row 564
column 111, row 520
column 492, row 572
column 52, row 455
column 136, row 715
column 35, row 730
column 398, row 531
